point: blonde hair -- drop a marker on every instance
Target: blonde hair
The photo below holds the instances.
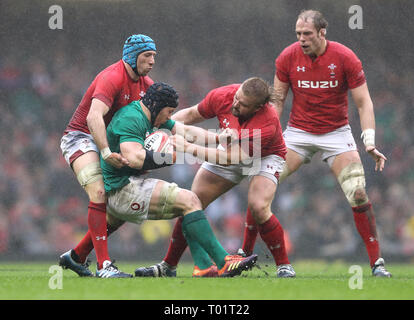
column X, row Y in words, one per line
column 260, row 89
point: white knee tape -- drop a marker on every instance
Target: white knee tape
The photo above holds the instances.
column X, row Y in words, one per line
column 351, row 179
column 284, row 174
column 168, row 196
column 89, row 174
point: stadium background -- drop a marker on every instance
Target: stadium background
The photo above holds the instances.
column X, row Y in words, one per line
column 201, row 45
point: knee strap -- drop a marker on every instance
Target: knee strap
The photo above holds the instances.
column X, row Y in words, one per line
column 351, row 179
column 89, row 174
column 168, row 196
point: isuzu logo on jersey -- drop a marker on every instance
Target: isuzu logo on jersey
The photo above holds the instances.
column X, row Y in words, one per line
column 317, row 84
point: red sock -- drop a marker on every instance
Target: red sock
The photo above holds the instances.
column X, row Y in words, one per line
column 177, row 246
column 97, row 228
column 85, row 246
column 273, row 235
column 365, row 224
column 250, row 233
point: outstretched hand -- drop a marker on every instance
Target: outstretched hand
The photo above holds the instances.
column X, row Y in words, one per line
column 378, row 157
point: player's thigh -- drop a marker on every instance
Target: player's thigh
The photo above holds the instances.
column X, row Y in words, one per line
column 260, row 196
column 293, row 160
column 169, row 201
column 89, row 174
column 343, row 160
column 208, row 186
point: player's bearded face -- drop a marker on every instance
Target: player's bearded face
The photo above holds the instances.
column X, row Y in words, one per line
column 145, row 62
column 311, row 41
column 243, row 106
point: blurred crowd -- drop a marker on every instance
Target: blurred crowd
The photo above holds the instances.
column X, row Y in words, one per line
column 44, row 210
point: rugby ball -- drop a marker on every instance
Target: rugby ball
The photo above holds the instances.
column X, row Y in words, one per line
column 158, row 141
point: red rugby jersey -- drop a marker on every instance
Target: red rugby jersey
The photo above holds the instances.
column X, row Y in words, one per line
column 320, row 87
column 115, row 88
column 218, row 102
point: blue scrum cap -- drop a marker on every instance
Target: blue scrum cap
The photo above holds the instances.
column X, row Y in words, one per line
column 134, row 46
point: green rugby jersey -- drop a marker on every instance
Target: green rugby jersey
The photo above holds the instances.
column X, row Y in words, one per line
column 128, row 124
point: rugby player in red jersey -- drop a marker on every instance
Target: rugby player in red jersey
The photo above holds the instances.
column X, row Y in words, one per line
column 85, row 138
column 320, row 73
column 244, row 111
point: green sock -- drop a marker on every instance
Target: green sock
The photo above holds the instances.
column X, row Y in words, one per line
column 196, row 228
column 200, row 256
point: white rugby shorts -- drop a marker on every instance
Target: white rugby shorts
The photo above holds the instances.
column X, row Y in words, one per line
column 131, row 203
column 329, row 144
column 270, row 167
column 75, row 143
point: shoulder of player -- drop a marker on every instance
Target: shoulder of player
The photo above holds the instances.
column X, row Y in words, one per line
column 113, row 74
column 341, row 49
column 223, row 94
column 266, row 117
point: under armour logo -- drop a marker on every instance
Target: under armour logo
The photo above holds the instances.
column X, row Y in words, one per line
column 226, row 122
column 274, row 247
column 141, row 94
column 372, row 239
column 126, row 97
column 300, row 69
column 101, row 238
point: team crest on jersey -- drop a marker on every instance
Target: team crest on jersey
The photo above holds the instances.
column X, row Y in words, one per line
column 332, row 68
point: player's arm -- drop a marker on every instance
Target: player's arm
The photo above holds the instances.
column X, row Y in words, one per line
column 96, row 125
column 281, row 92
column 143, row 159
column 189, row 115
column 365, row 107
column 195, row 134
column 233, row 154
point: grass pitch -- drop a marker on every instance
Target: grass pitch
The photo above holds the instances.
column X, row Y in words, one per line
column 315, row 280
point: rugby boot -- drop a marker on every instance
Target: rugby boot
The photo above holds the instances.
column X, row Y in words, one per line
column 66, row 261
column 235, row 265
column 378, row 270
column 210, row 272
column 161, row 269
column 285, row 271
column 109, row 270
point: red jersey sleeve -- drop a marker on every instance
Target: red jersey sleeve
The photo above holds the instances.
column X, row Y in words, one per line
column 282, row 66
column 207, row 107
column 354, row 72
column 107, row 87
column 254, row 141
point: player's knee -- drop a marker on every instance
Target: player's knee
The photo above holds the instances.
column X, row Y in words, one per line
column 189, row 201
column 352, row 181
column 260, row 211
column 360, row 197
column 96, row 192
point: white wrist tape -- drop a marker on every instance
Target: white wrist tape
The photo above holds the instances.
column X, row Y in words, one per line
column 105, row 153
column 368, row 137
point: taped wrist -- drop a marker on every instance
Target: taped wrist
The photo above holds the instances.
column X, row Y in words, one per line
column 368, row 137
column 105, row 153
column 155, row 160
